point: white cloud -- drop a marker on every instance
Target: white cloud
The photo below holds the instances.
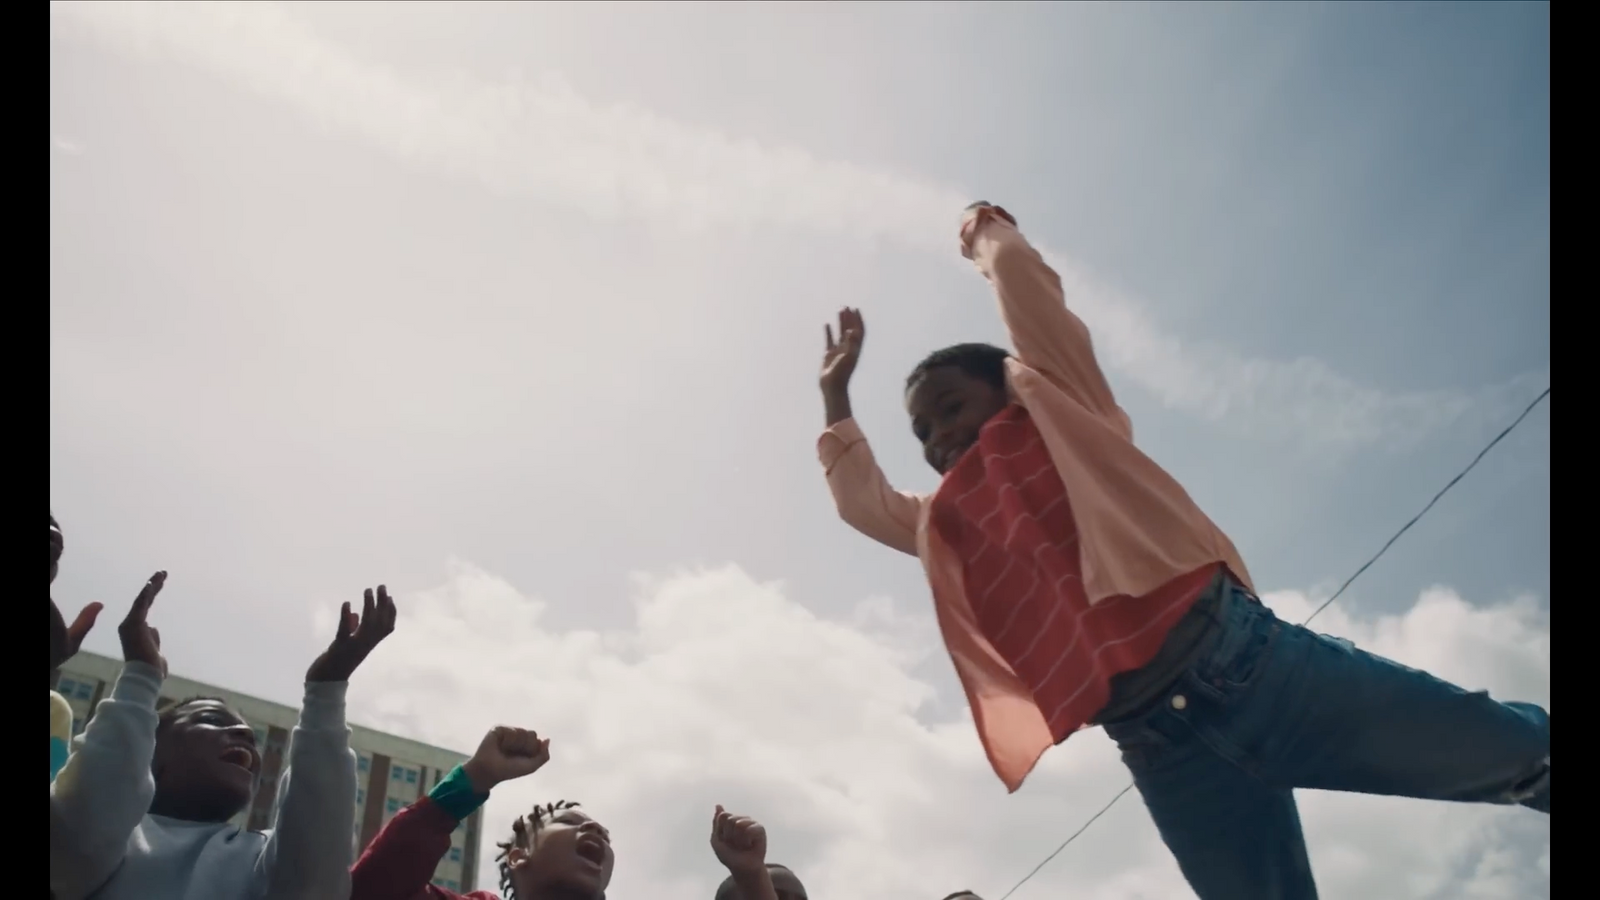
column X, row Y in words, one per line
column 541, row 138
column 724, row 690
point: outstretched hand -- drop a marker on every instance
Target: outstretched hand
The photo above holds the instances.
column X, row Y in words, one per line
column 140, row 642
column 840, row 356
column 739, row 842
column 504, row 754
column 356, row 637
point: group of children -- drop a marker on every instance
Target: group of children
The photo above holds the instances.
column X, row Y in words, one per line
column 140, row 808
column 1076, row 584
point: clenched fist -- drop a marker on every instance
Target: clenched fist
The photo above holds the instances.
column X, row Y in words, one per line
column 740, row 843
column 505, row 754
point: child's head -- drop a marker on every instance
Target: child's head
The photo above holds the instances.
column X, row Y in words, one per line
column 58, row 543
column 206, row 762
column 784, row 883
column 557, row 850
column 950, row 395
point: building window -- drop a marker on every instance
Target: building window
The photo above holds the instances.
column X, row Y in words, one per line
column 455, row 854
column 361, row 796
column 392, row 807
column 363, row 763
column 73, row 689
column 397, row 773
column 411, row 776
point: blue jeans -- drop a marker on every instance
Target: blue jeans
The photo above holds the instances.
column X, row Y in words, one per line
column 1270, row 707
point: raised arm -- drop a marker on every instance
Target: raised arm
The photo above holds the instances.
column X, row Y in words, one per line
column 105, row 788
column 860, row 491
column 401, row 860
column 1046, row 335
column 309, row 852
column 740, row 844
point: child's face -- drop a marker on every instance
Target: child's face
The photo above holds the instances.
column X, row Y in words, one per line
column 948, row 407
column 206, row 762
column 570, row 850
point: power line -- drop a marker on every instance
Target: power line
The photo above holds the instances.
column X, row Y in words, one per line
column 1442, row 491
column 1348, row 581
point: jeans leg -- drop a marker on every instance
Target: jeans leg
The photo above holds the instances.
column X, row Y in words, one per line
column 1234, row 836
column 1352, row 721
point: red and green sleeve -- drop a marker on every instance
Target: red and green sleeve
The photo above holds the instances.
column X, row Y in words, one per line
column 400, row 862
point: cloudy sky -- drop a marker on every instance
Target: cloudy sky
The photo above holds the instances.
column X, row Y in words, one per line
column 518, row 309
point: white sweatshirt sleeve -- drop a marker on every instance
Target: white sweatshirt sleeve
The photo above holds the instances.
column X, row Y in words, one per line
column 310, row 850
column 105, row 788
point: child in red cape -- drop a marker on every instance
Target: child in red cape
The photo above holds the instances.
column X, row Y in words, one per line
column 1076, row 583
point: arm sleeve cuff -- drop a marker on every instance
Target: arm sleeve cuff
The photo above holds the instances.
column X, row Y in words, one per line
column 839, row 437
column 324, row 705
column 140, row 684
column 456, row 796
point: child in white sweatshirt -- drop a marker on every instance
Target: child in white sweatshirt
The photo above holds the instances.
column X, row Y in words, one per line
column 141, row 809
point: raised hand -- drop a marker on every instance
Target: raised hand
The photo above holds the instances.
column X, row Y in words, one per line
column 356, row 637
column 504, row 754
column 840, row 356
column 739, row 842
column 80, row 627
column 974, row 216
column 140, row 642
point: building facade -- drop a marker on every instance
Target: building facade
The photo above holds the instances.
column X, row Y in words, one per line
column 391, row 771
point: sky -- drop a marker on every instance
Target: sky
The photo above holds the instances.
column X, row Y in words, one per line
column 518, row 308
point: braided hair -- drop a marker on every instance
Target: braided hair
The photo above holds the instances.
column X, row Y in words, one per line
column 522, row 833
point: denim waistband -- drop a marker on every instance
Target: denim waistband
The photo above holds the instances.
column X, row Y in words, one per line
column 1133, row 692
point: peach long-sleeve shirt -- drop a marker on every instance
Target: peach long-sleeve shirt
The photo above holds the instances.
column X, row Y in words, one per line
column 1138, row 529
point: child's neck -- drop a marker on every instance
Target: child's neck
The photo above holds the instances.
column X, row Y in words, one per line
column 177, row 808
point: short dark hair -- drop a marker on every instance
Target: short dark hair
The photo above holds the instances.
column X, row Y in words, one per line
column 985, row 362
column 727, row 890
column 522, row 832
column 963, row 894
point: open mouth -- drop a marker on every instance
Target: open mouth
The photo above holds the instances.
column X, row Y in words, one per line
column 592, row 849
column 241, row 756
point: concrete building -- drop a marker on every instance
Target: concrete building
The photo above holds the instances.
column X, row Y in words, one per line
column 391, row 771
